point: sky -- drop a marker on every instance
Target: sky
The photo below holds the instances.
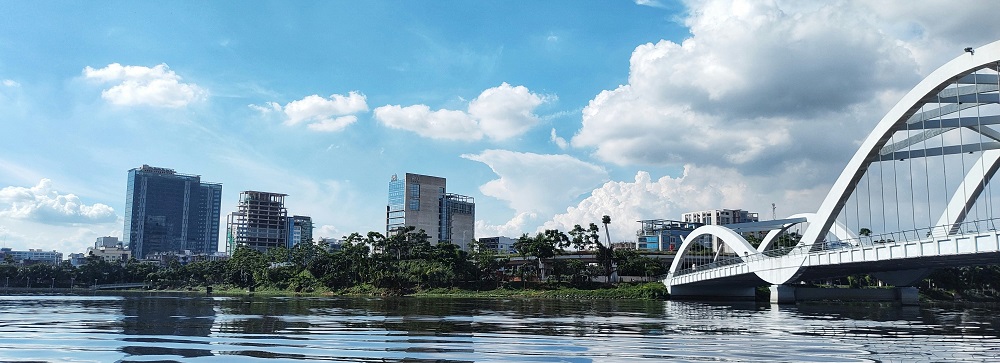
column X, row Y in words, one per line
column 549, row 114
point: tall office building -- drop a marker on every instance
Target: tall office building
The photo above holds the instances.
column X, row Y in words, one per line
column 166, row 211
column 299, row 230
column 260, row 222
column 422, row 201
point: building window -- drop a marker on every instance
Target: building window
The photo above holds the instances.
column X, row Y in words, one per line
column 414, row 190
column 414, row 204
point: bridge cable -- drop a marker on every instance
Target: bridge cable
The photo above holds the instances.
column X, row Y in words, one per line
column 927, row 172
column 895, row 188
column 913, row 196
column 965, row 188
column 989, row 189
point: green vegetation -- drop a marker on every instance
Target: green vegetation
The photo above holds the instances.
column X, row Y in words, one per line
column 374, row 264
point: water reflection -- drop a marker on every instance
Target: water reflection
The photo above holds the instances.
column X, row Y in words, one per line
column 188, row 327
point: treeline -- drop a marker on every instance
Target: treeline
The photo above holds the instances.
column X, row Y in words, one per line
column 397, row 263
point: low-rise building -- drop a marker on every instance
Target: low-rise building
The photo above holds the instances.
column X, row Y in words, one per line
column 31, row 256
column 499, row 244
column 662, row 234
column 720, row 217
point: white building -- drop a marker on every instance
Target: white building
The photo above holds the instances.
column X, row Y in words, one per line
column 720, row 217
column 499, row 244
column 32, row 256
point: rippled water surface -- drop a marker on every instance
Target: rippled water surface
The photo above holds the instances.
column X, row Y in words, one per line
column 163, row 328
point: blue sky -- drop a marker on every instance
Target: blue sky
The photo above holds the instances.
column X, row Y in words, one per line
column 548, row 113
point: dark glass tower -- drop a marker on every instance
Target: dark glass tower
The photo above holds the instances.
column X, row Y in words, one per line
column 170, row 212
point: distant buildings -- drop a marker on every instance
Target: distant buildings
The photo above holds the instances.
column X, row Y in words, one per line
column 166, row 211
column 31, row 256
column 499, row 244
column 299, row 230
column 422, row 201
column 663, row 234
column 109, row 249
column 720, row 217
column 260, row 222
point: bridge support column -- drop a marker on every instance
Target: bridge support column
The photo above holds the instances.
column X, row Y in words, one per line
column 712, row 293
column 908, row 295
column 789, row 294
column 782, row 294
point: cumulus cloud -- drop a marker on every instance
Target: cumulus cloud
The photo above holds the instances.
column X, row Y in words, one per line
column 644, row 198
column 42, row 203
column 319, row 113
column 537, row 183
column 764, row 102
column 756, row 82
column 498, row 113
column 137, row 85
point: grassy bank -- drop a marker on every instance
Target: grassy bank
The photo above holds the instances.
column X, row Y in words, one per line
column 646, row 291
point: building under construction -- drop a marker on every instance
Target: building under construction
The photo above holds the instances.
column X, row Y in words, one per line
column 260, row 222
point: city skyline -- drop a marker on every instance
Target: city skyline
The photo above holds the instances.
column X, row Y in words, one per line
column 548, row 115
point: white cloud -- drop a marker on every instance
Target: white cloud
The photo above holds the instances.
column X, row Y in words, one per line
column 137, row 85
column 513, row 228
column 644, row 198
column 560, row 142
column 319, row 113
column 498, row 113
column 332, row 125
column 537, row 183
column 42, row 203
column 11, row 83
column 765, row 102
column 327, row 231
column 755, row 83
column 440, row 124
column 652, row 3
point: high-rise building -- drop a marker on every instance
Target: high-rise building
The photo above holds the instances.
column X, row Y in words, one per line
column 422, row 201
column 260, row 222
column 166, row 211
column 299, row 230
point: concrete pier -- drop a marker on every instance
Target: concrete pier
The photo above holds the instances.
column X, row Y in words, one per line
column 790, row 294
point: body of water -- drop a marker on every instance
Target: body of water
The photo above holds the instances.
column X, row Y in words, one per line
column 192, row 328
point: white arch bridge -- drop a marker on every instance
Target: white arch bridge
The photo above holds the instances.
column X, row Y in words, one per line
column 915, row 196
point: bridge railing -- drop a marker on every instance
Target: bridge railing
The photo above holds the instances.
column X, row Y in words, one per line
column 968, row 227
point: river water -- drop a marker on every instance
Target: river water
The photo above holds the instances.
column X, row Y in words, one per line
column 193, row 328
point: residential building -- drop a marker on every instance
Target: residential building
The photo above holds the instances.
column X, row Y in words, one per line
column 260, row 222
column 720, row 217
column 112, row 254
column 662, row 234
column 499, row 244
column 31, row 256
column 77, row 259
column 299, row 230
column 168, row 211
column 422, row 202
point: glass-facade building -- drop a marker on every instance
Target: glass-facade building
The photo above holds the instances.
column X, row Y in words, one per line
column 663, row 234
column 166, row 211
column 422, row 202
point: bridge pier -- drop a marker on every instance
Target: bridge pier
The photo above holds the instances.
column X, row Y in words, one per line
column 790, row 294
column 713, row 293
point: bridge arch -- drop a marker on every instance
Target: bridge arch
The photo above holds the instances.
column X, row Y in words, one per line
column 907, row 115
column 947, row 117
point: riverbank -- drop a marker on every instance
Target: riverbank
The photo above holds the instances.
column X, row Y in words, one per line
column 641, row 291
